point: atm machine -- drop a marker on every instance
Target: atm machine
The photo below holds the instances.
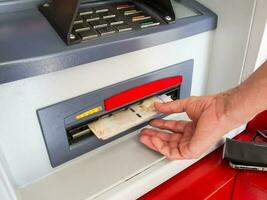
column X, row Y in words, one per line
column 67, row 64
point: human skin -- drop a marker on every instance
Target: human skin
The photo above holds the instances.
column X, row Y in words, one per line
column 211, row 117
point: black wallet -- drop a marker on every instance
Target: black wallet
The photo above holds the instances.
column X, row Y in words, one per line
column 247, row 153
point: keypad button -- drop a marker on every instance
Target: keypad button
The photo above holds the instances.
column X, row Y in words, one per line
column 140, row 18
column 85, row 11
column 149, row 23
column 81, row 27
column 124, row 28
column 92, row 17
column 108, row 15
column 132, row 12
column 106, row 31
column 99, row 23
column 125, row 6
column 101, row 9
column 115, row 21
column 90, row 34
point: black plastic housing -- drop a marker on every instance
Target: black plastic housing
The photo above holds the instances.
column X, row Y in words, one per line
column 246, row 153
column 61, row 15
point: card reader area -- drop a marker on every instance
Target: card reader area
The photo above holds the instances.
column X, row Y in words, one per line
column 82, row 131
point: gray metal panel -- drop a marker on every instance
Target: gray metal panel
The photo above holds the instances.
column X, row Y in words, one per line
column 52, row 118
column 17, row 5
column 31, row 47
column 20, row 5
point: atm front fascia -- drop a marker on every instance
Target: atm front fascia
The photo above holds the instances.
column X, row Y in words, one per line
column 47, row 84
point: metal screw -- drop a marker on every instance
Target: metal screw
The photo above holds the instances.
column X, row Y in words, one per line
column 46, row 5
column 72, row 36
column 168, row 18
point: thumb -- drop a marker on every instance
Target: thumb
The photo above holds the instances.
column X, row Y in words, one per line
column 176, row 106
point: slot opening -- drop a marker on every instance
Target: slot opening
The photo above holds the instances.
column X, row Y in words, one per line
column 82, row 131
column 78, row 133
column 174, row 94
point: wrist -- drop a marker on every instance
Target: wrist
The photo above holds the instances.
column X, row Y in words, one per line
column 229, row 116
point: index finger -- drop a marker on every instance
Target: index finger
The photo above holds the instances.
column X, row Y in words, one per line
column 176, row 106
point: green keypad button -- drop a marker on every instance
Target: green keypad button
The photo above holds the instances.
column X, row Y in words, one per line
column 149, row 24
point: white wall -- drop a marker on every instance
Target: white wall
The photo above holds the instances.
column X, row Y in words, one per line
column 262, row 56
column 7, row 191
column 237, row 41
column 230, row 42
column 255, row 51
column 3, row 194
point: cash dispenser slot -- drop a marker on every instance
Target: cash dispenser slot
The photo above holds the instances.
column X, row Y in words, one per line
column 88, row 121
column 82, row 131
column 121, row 102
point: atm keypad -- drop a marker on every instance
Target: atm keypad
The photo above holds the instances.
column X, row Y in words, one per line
column 92, row 22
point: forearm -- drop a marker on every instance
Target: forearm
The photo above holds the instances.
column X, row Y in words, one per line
column 243, row 102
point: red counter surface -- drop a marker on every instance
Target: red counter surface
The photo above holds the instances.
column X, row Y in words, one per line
column 212, row 178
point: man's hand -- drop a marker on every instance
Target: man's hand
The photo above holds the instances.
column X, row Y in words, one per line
column 189, row 139
column 212, row 117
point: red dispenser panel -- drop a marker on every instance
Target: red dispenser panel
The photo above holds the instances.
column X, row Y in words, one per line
column 141, row 91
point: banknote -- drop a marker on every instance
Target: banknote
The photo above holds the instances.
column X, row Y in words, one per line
column 107, row 127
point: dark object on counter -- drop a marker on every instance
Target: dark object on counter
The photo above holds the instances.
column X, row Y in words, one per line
column 253, row 153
